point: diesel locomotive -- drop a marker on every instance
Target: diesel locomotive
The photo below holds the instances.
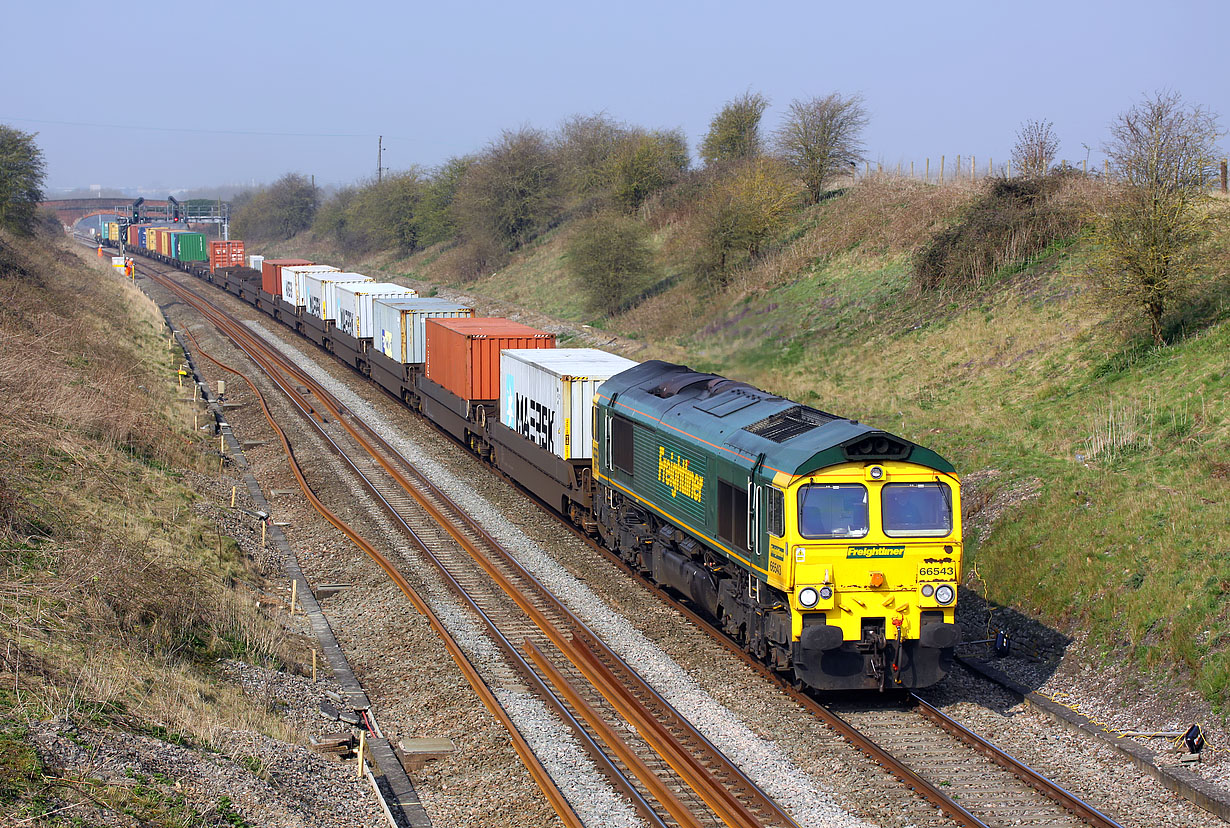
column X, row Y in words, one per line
column 827, row 548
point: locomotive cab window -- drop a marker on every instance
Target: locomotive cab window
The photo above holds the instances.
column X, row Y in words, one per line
column 833, row 511
column 922, row 510
column 777, row 512
column 621, row 444
column 732, row 514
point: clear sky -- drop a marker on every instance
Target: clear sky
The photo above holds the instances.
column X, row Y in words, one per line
column 173, row 95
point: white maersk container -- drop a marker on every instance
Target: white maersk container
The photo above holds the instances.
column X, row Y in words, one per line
column 398, row 325
column 547, row 395
column 321, row 301
column 294, row 290
column 354, row 304
column 255, row 262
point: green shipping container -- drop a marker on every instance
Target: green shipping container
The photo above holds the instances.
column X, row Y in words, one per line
column 189, row 247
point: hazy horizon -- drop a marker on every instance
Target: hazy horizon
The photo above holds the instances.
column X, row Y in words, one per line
column 239, row 96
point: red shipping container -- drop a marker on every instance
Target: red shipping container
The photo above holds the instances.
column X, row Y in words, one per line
column 134, row 235
column 463, row 355
column 225, row 254
column 271, row 273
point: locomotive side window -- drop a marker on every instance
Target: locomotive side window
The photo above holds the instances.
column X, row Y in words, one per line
column 777, row 512
column 921, row 510
column 833, row 511
column 621, row 444
column 732, row 515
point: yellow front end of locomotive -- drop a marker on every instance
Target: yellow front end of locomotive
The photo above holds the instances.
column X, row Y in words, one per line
column 874, row 547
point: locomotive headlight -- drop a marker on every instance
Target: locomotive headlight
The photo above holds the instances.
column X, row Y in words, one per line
column 808, row 597
column 826, row 592
column 928, row 590
column 944, row 594
column 876, row 473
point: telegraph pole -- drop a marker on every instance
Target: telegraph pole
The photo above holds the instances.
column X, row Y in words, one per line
column 379, row 158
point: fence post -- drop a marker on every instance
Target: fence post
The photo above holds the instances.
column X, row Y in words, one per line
column 1106, row 169
column 941, row 169
column 1010, row 168
column 911, row 169
column 867, row 172
column 1085, row 166
column 1223, row 175
column 956, row 169
column 990, row 167
column 973, row 172
column 928, row 174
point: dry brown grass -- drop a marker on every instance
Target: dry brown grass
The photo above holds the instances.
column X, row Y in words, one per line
column 115, row 594
column 882, row 215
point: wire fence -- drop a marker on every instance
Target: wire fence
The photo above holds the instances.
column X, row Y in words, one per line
column 964, row 170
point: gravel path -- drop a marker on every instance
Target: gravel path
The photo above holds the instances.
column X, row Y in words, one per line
column 267, row 782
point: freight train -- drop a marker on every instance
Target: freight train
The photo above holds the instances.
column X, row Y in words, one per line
column 829, row 549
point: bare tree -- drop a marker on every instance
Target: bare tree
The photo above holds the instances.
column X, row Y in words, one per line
column 1163, row 155
column 821, row 138
column 1035, row 148
column 734, row 133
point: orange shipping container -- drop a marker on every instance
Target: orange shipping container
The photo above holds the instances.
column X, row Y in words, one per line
column 271, row 273
column 463, row 355
column 225, row 254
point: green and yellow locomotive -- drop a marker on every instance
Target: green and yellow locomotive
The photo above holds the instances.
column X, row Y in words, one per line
column 830, row 549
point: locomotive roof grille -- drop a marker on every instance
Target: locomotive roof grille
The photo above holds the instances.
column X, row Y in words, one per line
column 792, row 422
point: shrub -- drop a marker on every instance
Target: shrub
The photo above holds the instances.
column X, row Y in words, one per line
column 734, row 133
column 1012, row 220
column 644, row 163
column 586, row 143
column 279, row 211
column 738, row 213
column 610, row 260
column 384, row 214
column 510, row 193
column 21, row 180
column 436, row 221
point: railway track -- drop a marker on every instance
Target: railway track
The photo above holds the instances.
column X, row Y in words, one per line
column 966, row 777
column 668, row 770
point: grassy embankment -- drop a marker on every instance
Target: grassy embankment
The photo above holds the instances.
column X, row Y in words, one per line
column 1116, row 451
column 1113, row 452
column 117, row 595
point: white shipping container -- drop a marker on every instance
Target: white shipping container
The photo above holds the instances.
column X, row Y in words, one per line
column 320, row 302
column 255, row 262
column 294, row 290
column 547, row 395
column 398, row 325
column 354, row 304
